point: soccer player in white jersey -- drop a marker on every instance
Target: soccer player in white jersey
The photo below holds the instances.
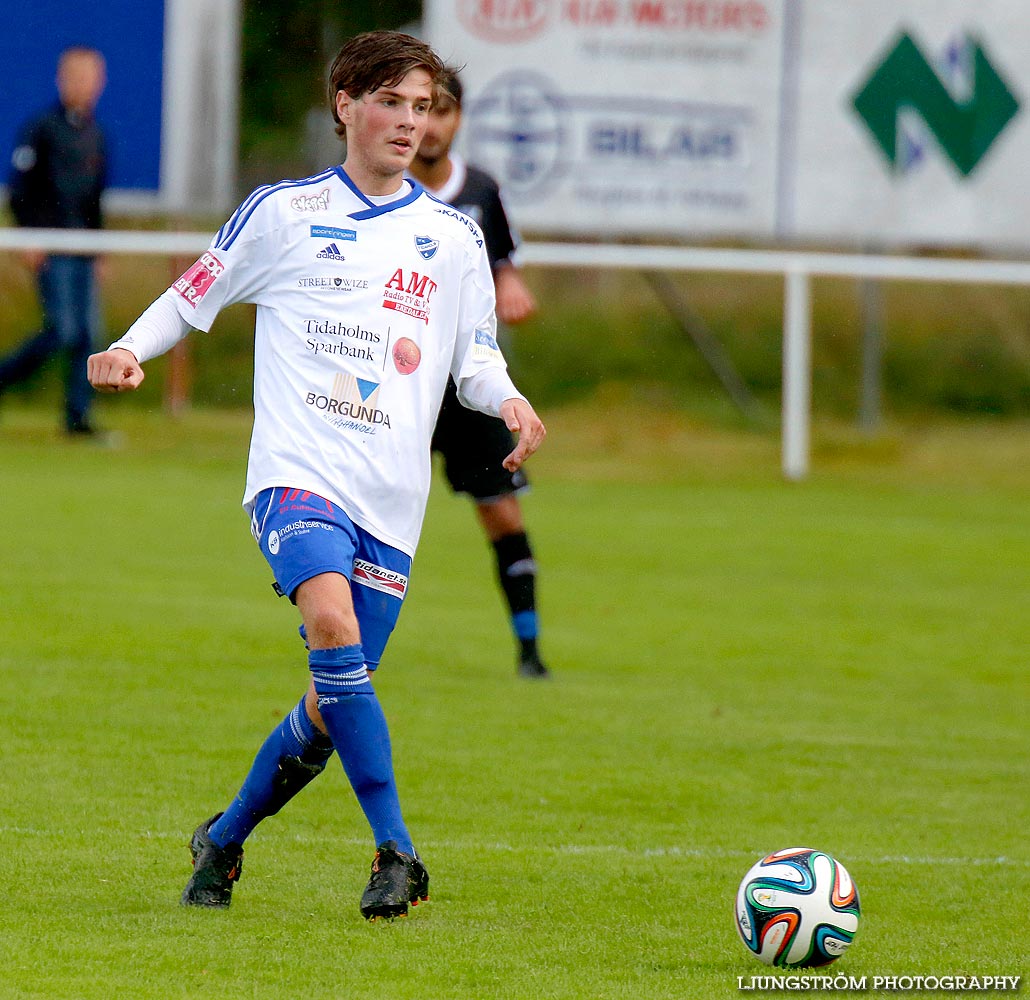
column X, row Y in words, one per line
column 369, row 294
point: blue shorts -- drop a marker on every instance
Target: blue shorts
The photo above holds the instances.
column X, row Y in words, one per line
column 302, row 535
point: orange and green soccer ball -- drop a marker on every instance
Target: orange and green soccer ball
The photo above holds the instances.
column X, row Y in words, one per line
column 797, row 908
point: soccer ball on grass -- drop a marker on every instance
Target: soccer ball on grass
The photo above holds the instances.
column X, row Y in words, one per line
column 797, row 908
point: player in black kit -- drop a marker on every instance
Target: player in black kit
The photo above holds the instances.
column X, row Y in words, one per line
column 472, row 444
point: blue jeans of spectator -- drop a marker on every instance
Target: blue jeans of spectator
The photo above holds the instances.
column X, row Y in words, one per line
column 71, row 321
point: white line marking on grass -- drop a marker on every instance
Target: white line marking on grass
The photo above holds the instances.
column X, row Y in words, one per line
column 703, row 852
column 500, row 848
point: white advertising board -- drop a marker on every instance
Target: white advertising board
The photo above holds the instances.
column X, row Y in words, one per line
column 608, row 116
column 880, row 122
column 910, row 125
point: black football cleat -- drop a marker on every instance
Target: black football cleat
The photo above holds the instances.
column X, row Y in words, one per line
column 397, row 879
column 215, row 869
column 532, row 667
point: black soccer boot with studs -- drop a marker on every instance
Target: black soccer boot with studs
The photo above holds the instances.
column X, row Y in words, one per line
column 215, row 869
column 397, row 879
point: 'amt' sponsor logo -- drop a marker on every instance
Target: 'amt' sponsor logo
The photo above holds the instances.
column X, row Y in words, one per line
column 409, row 294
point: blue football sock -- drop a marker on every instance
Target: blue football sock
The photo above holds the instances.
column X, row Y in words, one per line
column 294, row 753
column 524, row 625
column 352, row 714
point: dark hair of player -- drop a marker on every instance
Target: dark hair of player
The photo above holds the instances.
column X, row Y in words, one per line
column 451, row 84
column 378, row 59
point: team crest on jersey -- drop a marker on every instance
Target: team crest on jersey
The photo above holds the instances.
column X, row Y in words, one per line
column 194, row 284
column 386, row 581
column 427, row 246
column 311, row 203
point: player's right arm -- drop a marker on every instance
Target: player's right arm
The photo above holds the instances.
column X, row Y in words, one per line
column 219, row 277
column 159, row 328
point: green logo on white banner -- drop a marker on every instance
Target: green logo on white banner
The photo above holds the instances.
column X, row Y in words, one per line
column 964, row 129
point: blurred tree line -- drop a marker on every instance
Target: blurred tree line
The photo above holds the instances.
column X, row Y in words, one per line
column 286, row 48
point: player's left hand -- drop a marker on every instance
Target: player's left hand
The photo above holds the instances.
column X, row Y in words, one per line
column 521, row 419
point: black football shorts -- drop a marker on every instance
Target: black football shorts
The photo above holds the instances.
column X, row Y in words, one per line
column 473, row 446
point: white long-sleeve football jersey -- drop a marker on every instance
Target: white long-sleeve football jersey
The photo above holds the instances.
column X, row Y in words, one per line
column 364, row 307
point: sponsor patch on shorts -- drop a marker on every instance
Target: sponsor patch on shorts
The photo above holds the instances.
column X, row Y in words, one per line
column 386, row 581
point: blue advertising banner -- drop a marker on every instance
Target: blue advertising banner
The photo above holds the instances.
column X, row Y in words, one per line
column 131, row 35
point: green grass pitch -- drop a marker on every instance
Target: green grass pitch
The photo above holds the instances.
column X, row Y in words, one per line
column 741, row 665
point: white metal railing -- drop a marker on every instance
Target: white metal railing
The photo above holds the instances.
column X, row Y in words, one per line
column 104, row 241
column 797, row 267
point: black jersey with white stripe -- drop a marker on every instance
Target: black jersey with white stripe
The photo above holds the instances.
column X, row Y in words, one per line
column 474, row 193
